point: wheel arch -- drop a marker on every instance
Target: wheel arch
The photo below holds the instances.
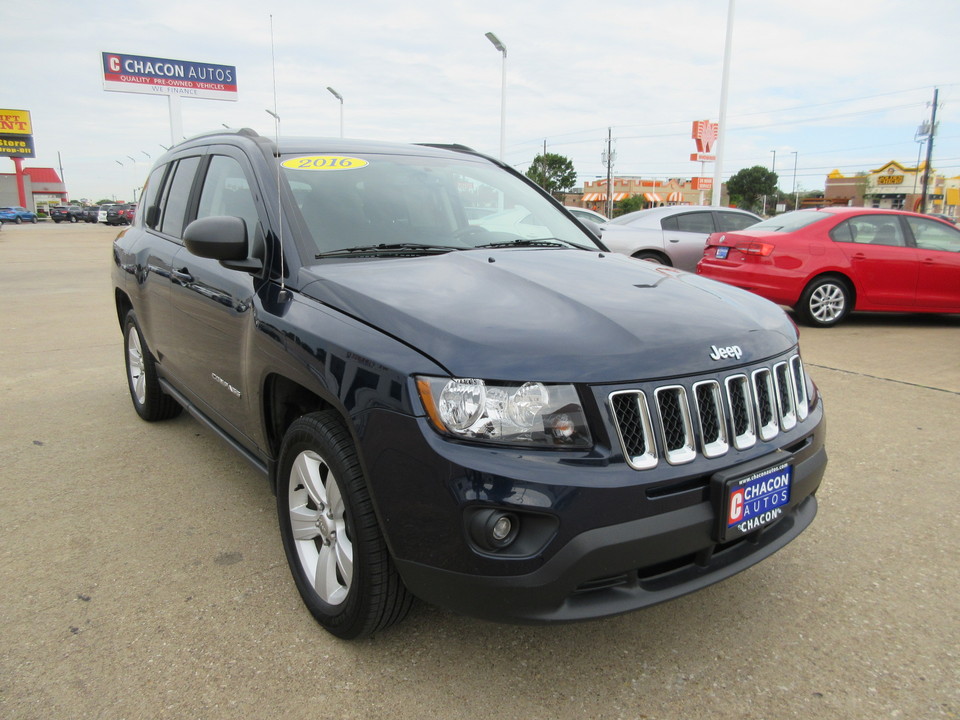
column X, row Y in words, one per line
column 835, row 275
column 645, row 253
column 123, row 304
column 283, row 401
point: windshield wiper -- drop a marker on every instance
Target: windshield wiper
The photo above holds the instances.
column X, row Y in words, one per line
column 389, row 249
column 522, row 242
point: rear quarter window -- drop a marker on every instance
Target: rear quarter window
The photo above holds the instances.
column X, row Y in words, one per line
column 730, row 222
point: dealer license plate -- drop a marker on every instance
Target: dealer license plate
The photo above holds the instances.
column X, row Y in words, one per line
column 722, row 253
column 755, row 501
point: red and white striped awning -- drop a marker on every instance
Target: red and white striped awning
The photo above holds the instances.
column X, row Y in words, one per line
column 675, row 197
column 652, row 197
column 596, row 197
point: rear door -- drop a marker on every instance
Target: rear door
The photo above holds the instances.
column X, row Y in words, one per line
column 684, row 236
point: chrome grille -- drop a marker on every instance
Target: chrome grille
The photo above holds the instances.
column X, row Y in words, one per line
column 710, row 416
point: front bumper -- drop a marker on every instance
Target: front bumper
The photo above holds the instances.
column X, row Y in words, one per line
column 607, row 539
column 616, row 569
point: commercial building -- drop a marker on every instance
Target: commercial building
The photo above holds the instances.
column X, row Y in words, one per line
column 674, row 191
column 42, row 188
column 894, row 186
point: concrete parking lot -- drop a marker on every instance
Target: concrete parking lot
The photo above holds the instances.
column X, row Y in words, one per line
column 142, row 576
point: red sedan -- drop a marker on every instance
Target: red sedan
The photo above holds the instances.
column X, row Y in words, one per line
column 825, row 263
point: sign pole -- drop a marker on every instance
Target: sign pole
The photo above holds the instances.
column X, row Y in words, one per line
column 176, row 118
column 21, row 190
column 721, row 139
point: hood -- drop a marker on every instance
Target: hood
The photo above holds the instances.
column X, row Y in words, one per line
column 553, row 315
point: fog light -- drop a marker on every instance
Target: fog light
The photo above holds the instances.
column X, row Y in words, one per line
column 494, row 529
column 502, row 528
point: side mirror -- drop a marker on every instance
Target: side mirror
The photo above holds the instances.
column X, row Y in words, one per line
column 221, row 238
column 153, row 216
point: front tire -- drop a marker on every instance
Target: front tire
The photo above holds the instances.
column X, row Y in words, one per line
column 651, row 256
column 330, row 533
column 825, row 302
column 149, row 399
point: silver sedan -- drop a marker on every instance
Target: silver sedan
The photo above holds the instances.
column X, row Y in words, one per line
column 673, row 235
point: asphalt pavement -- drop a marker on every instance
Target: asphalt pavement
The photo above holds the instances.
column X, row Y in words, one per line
column 142, row 575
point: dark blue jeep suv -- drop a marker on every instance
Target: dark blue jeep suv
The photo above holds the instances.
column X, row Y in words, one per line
column 455, row 391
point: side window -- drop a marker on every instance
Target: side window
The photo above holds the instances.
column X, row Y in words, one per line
column 844, row 232
column 730, row 221
column 227, row 192
column 670, row 223
column 870, row 229
column 695, row 222
column 178, row 197
column 933, row 235
column 149, row 199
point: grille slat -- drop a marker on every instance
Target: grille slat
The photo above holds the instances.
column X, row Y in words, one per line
column 732, row 412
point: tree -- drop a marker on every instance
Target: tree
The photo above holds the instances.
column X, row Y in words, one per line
column 554, row 173
column 750, row 184
column 628, row 205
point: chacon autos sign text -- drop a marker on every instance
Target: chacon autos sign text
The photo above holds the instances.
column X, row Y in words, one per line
column 160, row 76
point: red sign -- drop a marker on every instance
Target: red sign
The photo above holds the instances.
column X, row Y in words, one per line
column 701, row 183
column 705, row 133
column 700, row 157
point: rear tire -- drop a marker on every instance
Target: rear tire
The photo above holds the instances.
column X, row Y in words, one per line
column 149, row 399
column 825, row 302
column 331, row 536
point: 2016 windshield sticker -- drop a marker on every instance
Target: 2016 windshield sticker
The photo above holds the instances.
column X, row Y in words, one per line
column 324, row 162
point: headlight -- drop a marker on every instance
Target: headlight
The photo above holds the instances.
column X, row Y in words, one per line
column 531, row 413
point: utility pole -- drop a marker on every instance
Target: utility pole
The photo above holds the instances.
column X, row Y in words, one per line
column 608, row 156
column 927, row 169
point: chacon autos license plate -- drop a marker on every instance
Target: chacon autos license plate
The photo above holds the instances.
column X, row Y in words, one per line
column 753, row 501
column 722, row 253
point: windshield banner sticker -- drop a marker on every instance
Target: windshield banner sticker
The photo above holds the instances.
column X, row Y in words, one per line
column 324, row 162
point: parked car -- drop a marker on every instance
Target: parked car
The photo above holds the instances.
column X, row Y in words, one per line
column 672, row 235
column 825, row 263
column 102, row 213
column 587, row 214
column 518, row 428
column 17, row 214
column 91, row 213
column 66, row 213
column 121, row 214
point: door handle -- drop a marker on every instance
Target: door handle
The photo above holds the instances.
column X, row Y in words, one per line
column 183, row 275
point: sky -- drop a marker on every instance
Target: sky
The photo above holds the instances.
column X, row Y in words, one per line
column 814, row 86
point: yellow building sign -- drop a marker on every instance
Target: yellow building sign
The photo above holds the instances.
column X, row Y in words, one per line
column 15, row 122
column 890, row 180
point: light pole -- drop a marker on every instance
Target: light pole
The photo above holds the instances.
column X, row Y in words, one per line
column 339, row 97
column 796, row 195
column 501, row 48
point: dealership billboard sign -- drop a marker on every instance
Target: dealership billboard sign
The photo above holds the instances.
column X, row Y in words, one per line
column 161, row 76
column 16, row 134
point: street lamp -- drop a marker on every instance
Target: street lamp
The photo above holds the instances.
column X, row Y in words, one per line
column 796, row 195
column 501, row 48
column 339, row 97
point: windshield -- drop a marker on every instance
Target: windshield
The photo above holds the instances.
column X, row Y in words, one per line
column 383, row 204
column 790, row 221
